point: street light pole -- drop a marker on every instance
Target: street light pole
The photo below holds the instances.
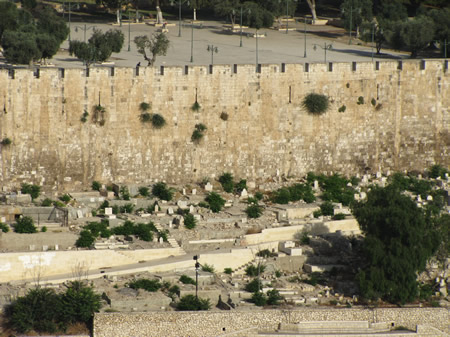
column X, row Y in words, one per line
column 129, row 30
column 192, row 41
column 240, row 44
column 350, row 30
column 287, row 17
column 373, row 32
column 325, row 47
column 179, row 19
column 84, row 29
column 213, row 50
column 197, row 266
column 304, row 55
column 69, row 22
column 256, row 36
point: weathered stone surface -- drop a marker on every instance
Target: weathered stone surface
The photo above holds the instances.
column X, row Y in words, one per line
column 267, row 134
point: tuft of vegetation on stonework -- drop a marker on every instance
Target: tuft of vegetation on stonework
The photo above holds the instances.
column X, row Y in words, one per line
column 96, row 186
column 6, row 141
column 195, row 107
column 189, row 221
column 215, row 201
column 158, row 121
column 254, row 211
column 161, row 191
column 192, row 303
column 146, row 284
column 187, row 280
column 25, row 225
column 316, row 104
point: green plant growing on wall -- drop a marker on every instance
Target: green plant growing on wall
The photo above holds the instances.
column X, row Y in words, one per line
column 228, row 271
column 144, row 106
column 84, row 116
column 158, row 121
column 195, row 107
column 373, row 102
column 360, row 100
column 197, row 135
column 316, row 104
column 99, row 114
column 145, row 117
column 4, row 227
column 226, row 180
column 6, row 141
column 342, row 108
column 224, row 116
column 96, row 186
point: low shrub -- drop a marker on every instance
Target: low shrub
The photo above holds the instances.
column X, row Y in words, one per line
column 6, row 141
column 158, row 121
column 259, row 298
column 33, row 190
column 146, row 284
column 189, row 221
column 47, row 202
column 161, row 191
column 224, row 116
column 96, row 186
column 144, row 106
column 342, row 108
column 226, row 180
column 144, row 191
column 4, row 227
column 208, row 268
column 339, row 216
column 215, row 201
column 145, row 117
column 316, row 103
column 192, row 303
column 265, row 253
column 254, row 211
column 254, row 286
column 228, row 271
column 44, row 229
column 187, row 280
column 373, row 102
column 360, row 100
column 86, row 239
column 253, row 270
column 196, row 106
column 274, row 297
column 259, row 196
column 327, row 208
column 65, row 198
column 25, row 225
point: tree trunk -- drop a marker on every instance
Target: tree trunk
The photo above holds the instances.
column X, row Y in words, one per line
column 118, row 16
column 312, row 7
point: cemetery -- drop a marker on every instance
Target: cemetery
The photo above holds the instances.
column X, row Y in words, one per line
column 306, row 256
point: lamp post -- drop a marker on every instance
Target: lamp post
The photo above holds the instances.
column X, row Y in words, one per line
column 326, row 47
column 180, row 2
column 129, row 30
column 304, row 54
column 213, row 50
column 77, row 6
column 84, row 29
column 192, row 41
column 240, row 31
column 350, row 30
column 373, row 33
column 287, row 14
column 197, row 266
column 256, row 36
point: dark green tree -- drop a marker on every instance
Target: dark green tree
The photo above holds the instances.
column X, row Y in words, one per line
column 355, row 13
column 25, row 225
column 398, row 242
column 20, row 47
column 156, row 45
column 417, row 34
column 79, row 303
column 161, row 191
column 215, row 201
column 99, row 47
column 85, row 240
column 226, row 180
column 441, row 21
column 38, row 310
column 9, row 17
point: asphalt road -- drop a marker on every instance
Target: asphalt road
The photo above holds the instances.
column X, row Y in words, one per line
column 274, row 47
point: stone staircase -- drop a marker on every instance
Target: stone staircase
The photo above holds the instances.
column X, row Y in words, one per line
column 173, row 243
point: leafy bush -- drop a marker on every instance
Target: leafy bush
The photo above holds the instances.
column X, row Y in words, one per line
column 86, row 239
column 303, row 237
column 295, row 192
column 342, row 108
column 315, row 278
column 186, row 279
column 6, row 141
column 80, row 303
column 144, row 191
column 335, row 189
column 224, row 116
column 4, row 227
column 228, row 271
column 265, row 253
column 226, row 180
column 254, row 211
column 437, row 171
column 196, row 106
column 259, row 196
column 33, row 190
column 317, row 213
column 215, row 201
column 274, row 297
column 173, row 290
column 327, row 208
column 189, row 221
column 373, row 102
column 46, row 202
column 144, row 106
column 316, row 103
column 146, row 284
column 145, row 117
column 96, row 186
column 360, row 100
column 158, row 121
column 65, row 198
column 161, row 191
column 253, row 270
column 239, row 187
column 127, row 208
column 44, row 229
column 208, row 268
column 281, row 196
column 84, row 116
column 191, row 303
column 254, row 286
column 142, row 231
column 25, row 225
column 259, row 298
column 339, row 216
column 197, row 135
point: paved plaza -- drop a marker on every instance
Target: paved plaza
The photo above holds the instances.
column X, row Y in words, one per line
column 275, row 47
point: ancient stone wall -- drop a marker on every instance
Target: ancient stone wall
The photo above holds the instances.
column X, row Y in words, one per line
column 195, row 324
column 266, row 132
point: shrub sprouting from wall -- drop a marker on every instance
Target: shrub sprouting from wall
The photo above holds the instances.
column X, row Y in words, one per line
column 316, row 104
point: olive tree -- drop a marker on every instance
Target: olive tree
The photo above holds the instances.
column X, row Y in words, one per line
column 155, row 45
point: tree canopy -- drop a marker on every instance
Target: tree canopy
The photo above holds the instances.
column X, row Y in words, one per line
column 399, row 239
column 26, row 39
column 99, row 47
column 155, row 45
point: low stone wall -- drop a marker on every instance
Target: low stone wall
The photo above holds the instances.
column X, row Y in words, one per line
column 200, row 324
